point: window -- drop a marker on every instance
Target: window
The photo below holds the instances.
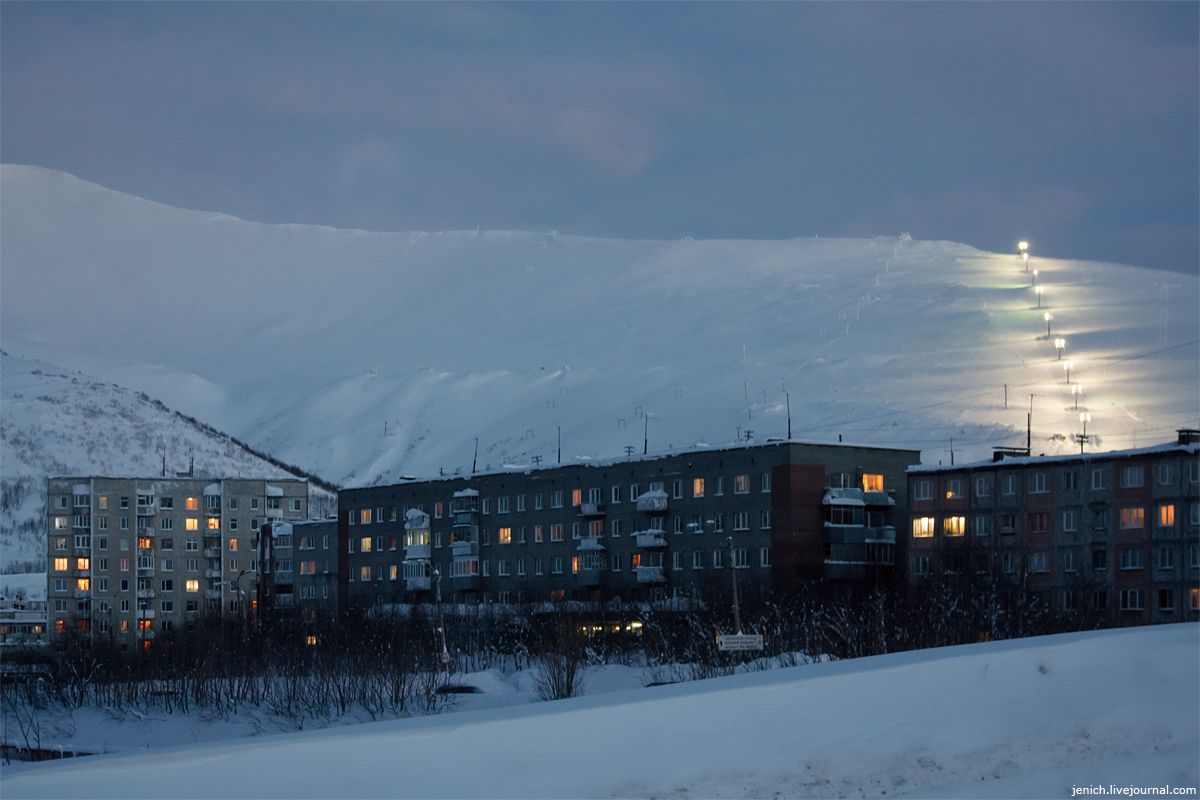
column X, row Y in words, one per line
column 191, row 524
column 697, row 559
column 983, row 487
column 1166, row 600
column 923, row 490
column 872, row 482
column 1164, row 474
column 502, row 567
column 1067, row 558
column 575, row 530
column 1008, row 485
column 521, row 535
column 1099, row 559
column 233, row 545
column 764, row 557
column 556, row 499
column 1132, row 599
column 192, row 586
column 538, row 535
column 923, row 527
column 502, row 505
column 1097, row 479
column 520, row 566
column 576, row 498
column 1132, row 477
column 557, row 566
column 1131, row 558
column 365, row 544
column 1038, row 562
column 61, row 523
column 1039, row 522
column 61, row 564
column 921, row 565
column 556, row 532
column 189, row 503
column 1133, row 518
column 741, row 521
column 1166, row 515
column 1166, row 557
column 124, row 523
column 765, row 484
column 698, row 487
column 954, row 490
column 741, row 484
column 719, row 486
column 764, row 519
column 504, row 536
column 954, row 526
column 1194, row 514
column 718, row 557
column 1008, row 563
column 296, row 504
column 1068, row 521
column 379, row 514
column 618, row 528
column 983, row 525
column 1070, row 480
column 364, row 516
column 537, row 566
column 1099, row 519
column 1037, row 483
column 741, row 558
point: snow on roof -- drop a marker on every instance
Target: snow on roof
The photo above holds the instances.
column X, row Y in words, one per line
column 416, row 518
column 590, row 544
column 1167, row 447
column 652, row 495
column 274, row 491
column 212, row 488
column 837, row 497
column 281, row 529
column 466, row 493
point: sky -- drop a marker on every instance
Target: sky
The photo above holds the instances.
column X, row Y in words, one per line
column 1073, row 125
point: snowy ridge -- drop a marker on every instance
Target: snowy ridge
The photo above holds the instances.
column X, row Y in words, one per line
column 61, row 422
column 1022, row 718
column 368, row 356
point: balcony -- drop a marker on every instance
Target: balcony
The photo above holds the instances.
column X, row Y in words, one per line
column 858, row 534
column 212, row 552
column 274, row 513
column 588, row 577
column 145, row 634
column 413, row 552
column 652, row 539
column 145, row 613
column 148, row 532
column 651, row 502
column 212, row 573
column 592, row 510
column 464, row 549
column 146, row 594
column 651, row 575
column 212, row 594
column 418, row 583
column 144, row 570
column 465, row 582
column 285, row 600
column 887, row 498
column 80, row 594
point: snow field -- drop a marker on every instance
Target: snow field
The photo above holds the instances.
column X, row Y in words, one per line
column 1030, row 717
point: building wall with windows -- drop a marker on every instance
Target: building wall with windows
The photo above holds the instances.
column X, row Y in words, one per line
column 128, row 558
column 1113, row 534
column 639, row 529
column 303, row 569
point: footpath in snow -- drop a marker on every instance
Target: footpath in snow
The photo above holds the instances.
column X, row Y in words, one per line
column 1023, row 718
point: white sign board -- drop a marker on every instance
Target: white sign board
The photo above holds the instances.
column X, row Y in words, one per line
column 740, row 641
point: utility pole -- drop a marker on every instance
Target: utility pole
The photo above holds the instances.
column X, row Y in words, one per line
column 645, row 434
column 441, row 631
column 737, row 612
column 560, row 444
column 788, row 399
column 475, row 460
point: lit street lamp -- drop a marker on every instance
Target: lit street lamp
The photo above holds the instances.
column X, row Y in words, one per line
column 1084, row 418
column 1076, row 389
column 1059, row 344
column 1023, row 251
column 1035, row 274
column 1067, row 365
column 1047, row 316
column 1040, row 290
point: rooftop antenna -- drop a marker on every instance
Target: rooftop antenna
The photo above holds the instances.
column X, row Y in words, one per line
column 537, row 461
column 645, row 434
column 628, row 450
column 560, row 444
column 164, row 464
column 788, row 399
column 475, row 460
column 1029, row 428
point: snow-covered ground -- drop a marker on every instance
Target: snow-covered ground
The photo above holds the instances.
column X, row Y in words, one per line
column 1023, row 718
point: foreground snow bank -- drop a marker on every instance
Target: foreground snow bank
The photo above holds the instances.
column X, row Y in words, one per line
column 1031, row 717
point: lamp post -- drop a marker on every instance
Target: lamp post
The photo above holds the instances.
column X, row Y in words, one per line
column 1084, row 419
column 1067, row 365
column 1059, row 344
column 1047, row 316
column 1076, row 390
column 1035, row 276
column 1039, row 290
column 737, row 613
column 1023, row 251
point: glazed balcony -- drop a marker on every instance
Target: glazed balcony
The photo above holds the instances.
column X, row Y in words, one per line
column 652, row 502
column 592, row 510
column 651, row 575
column 652, row 539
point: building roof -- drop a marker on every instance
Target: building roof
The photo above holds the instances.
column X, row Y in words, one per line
column 1017, row 461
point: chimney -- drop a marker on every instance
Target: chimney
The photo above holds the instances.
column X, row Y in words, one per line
column 1188, row 436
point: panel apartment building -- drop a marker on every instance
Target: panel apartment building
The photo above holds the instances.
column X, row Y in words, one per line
column 639, row 529
column 129, row 557
column 1113, row 534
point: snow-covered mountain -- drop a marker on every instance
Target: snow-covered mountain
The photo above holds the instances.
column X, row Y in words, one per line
column 363, row 356
column 61, row 422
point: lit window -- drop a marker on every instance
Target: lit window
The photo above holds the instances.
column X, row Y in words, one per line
column 364, row 517
column 574, row 564
column 504, row 536
column 364, row 572
column 954, row 526
column 698, row 487
column 83, row 584
column 923, row 527
column 1133, row 517
column 214, row 523
column 1166, row 515
column 365, row 544
column 741, row 484
column 61, row 564
column 191, row 504
column 576, row 497
column 233, row 545
column 83, row 564
column 872, row 482
column 191, row 524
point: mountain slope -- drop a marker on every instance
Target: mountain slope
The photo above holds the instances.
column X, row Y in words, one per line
column 61, row 422
column 364, row 356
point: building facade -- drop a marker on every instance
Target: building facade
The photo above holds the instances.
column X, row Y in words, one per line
column 300, row 570
column 1115, row 535
column 641, row 529
column 130, row 557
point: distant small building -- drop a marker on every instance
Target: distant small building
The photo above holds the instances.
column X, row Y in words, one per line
column 23, row 622
column 1115, row 534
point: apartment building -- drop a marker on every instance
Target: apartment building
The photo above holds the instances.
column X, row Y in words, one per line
column 300, row 569
column 1114, row 534
column 637, row 529
column 130, row 557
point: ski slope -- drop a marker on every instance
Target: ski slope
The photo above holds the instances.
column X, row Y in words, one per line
column 1023, row 718
column 364, row 356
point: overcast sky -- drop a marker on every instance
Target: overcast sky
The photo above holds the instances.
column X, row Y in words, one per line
column 1075, row 125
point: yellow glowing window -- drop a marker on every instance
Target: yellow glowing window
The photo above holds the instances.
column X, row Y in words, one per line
column 191, row 524
column 1133, row 517
column 143, row 542
column 233, row 545
column 192, row 586
column 61, row 523
column 364, row 516
column 364, row 544
column 60, row 625
column 310, row 640
column 954, row 526
column 504, row 536
column 124, row 626
column 192, row 504
column 574, row 563
column 636, row 561
column 83, row 584
column 144, row 624
column 698, row 487
column 102, row 502
column 214, row 523
column 364, row 573
column 1166, row 515
column 392, row 572
column 923, row 527
column 576, row 497
column 83, row 563
column 62, row 564
column 872, row 482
